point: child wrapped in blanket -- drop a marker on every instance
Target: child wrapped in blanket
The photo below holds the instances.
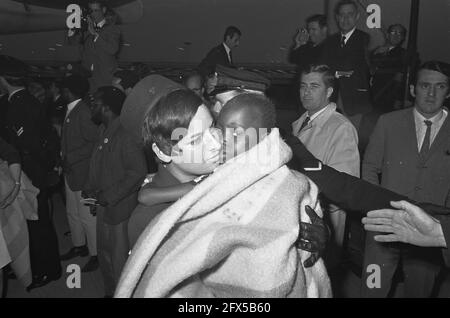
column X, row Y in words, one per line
column 231, row 236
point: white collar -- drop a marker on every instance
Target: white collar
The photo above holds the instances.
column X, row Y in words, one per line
column 71, row 105
column 101, row 23
column 435, row 119
column 317, row 114
column 227, row 49
column 15, row 91
column 348, row 35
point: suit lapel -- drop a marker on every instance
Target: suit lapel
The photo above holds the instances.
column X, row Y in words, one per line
column 67, row 121
column 74, row 111
column 441, row 137
column 411, row 135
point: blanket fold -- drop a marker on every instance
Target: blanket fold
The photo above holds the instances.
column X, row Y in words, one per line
column 232, row 236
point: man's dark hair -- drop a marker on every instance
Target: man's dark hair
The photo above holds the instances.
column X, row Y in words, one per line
column 112, row 97
column 397, row 25
column 437, row 66
column 102, row 3
column 77, row 85
column 342, row 3
column 319, row 18
column 328, row 76
column 173, row 111
column 231, row 31
column 263, row 106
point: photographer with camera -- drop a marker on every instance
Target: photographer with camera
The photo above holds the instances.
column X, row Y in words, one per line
column 99, row 42
column 308, row 44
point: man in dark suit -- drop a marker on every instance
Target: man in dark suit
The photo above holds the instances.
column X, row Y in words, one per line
column 79, row 135
column 117, row 170
column 409, row 150
column 221, row 54
column 99, row 45
column 26, row 126
column 346, row 52
column 309, row 42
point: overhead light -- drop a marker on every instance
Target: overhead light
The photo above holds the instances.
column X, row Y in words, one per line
column 126, row 44
column 51, row 49
column 58, row 44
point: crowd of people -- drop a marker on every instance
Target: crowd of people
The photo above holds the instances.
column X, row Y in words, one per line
column 173, row 171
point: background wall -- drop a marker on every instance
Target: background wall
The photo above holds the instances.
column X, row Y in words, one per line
column 184, row 30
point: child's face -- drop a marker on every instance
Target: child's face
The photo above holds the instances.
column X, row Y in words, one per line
column 239, row 131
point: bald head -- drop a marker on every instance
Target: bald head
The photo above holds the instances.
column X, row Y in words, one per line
column 195, row 83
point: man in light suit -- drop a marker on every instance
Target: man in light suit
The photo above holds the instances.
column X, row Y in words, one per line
column 79, row 135
column 409, row 150
column 329, row 136
column 99, row 45
column 221, row 54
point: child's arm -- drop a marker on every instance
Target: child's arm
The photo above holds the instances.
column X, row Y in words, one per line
column 150, row 194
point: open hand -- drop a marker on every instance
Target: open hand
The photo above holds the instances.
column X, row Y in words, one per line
column 301, row 38
column 405, row 223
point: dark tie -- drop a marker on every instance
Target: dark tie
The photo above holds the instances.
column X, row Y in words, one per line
column 305, row 123
column 343, row 41
column 231, row 58
column 426, row 141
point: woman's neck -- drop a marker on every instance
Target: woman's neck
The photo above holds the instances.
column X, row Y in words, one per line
column 180, row 175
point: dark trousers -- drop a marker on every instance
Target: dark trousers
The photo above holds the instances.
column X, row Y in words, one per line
column 44, row 251
column 421, row 267
column 112, row 249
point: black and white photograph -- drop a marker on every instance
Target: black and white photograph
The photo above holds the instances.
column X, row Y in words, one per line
column 246, row 150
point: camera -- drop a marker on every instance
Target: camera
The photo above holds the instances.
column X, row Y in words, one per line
column 85, row 13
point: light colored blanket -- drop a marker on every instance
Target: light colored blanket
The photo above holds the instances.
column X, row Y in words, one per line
column 13, row 223
column 232, row 236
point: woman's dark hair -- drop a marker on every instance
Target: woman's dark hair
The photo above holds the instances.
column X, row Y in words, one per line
column 173, row 111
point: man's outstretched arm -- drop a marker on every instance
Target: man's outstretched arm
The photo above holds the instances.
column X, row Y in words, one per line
column 344, row 190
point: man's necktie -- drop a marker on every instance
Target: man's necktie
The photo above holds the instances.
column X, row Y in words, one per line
column 305, row 123
column 231, row 58
column 427, row 140
column 343, row 41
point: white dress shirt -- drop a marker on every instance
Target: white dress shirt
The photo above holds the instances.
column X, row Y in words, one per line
column 71, row 106
column 348, row 35
column 228, row 50
column 421, row 127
